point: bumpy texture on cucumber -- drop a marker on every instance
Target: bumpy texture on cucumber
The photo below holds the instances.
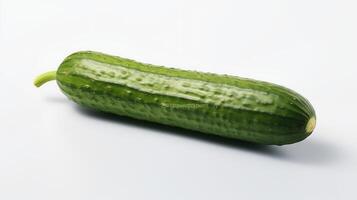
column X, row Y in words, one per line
column 222, row 105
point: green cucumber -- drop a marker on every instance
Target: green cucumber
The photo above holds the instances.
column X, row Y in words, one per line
column 223, row 105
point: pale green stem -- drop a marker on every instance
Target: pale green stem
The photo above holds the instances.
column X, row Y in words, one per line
column 44, row 78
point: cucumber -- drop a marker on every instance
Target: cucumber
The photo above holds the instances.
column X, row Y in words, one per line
column 223, row 105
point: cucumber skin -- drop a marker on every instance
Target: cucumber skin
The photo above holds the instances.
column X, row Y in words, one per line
column 222, row 105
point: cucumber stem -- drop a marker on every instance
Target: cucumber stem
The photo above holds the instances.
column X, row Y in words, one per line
column 44, row 78
column 310, row 126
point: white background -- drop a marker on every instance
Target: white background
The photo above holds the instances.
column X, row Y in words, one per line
column 52, row 149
